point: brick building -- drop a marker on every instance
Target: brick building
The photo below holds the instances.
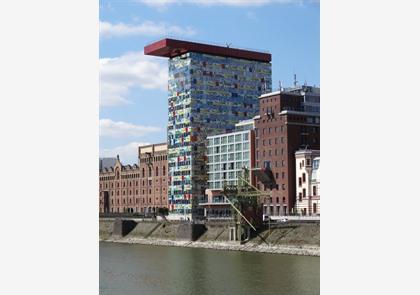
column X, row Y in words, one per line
column 135, row 188
column 153, row 162
column 283, row 126
column 119, row 188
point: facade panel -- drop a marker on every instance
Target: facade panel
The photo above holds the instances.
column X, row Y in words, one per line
column 208, row 95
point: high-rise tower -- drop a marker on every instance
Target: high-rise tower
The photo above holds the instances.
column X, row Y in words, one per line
column 211, row 88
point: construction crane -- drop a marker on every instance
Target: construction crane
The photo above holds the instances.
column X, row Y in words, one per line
column 244, row 196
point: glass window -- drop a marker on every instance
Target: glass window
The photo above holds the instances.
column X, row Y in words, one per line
column 246, row 155
column 231, row 147
column 216, row 140
column 238, row 156
column 246, row 136
column 246, row 146
column 210, row 159
column 223, row 158
column 216, row 158
column 231, row 156
column 209, row 151
column 238, row 137
column 224, row 148
column 238, row 147
column 209, row 141
column 223, row 139
column 231, row 139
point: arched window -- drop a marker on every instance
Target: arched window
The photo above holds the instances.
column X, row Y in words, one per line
column 157, row 171
column 142, row 173
column 164, row 171
column 150, row 171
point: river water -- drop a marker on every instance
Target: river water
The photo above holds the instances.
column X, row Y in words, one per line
column 128, row 269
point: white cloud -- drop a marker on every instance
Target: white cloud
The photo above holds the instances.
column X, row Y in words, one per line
column 109, row 128
column 163, row 3
column 147, row 28
column 128, row 153
column 118, row 75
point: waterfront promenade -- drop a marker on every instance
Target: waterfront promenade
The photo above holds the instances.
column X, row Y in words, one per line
column 296, row 238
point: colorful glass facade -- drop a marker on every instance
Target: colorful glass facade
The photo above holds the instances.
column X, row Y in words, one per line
column 208, row 95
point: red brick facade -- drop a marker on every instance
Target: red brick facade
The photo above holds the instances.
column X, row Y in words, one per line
column 281, row 129
column 136, row 189
column 153, row 161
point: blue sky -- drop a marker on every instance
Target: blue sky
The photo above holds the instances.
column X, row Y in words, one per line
column 133, row 103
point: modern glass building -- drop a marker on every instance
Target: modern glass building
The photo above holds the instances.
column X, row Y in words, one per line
column 210, row 89
column 228, row 153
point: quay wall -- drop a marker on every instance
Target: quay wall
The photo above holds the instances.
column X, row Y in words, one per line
column 288, row 238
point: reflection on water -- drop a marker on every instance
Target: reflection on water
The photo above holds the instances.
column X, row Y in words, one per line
column 140, row 269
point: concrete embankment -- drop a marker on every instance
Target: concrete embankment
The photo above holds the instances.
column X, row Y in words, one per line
column 288, row 238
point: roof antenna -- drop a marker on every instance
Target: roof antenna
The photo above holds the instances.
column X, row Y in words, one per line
column 295, row 81
column 280, row 86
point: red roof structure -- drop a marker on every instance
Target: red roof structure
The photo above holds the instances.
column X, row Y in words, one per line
column 171, row 48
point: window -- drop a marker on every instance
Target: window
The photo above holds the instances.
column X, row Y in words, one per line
column 157, row 171
column 303, row 177
column 304, row 192
column 314, row 190
column 164, row 171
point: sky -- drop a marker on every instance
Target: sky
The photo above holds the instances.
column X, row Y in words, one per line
column 133, row 96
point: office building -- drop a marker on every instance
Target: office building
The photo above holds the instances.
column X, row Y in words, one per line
column 283, row 127
column 210, row 89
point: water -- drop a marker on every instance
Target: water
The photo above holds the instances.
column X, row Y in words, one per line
column 142, row 270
